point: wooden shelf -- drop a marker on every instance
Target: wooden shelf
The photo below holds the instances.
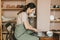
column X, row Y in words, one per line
column 11, row 8
column 55, row 21
column 32, row 16
column 57, row 32
column 55, row 8
column 13, row 0
column 4, row 32
column 14, row 21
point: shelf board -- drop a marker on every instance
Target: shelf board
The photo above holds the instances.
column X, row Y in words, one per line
column 57, row 32
column 32, row 16
column 55, row 21
column 55, row 8
column 14, row 21
column 11, row 8
column 4, row 32
column 13, row 0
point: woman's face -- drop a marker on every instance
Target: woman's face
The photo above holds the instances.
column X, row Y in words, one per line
column 30, row 10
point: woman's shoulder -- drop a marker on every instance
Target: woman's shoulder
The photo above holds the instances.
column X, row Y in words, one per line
column 24, row 13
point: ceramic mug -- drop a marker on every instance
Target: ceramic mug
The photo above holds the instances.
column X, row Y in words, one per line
column 49, row 33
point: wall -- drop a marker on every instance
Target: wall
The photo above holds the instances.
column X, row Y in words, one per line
column 28, row 1
column 13, row 13
column 55, row 2
column 43, row 13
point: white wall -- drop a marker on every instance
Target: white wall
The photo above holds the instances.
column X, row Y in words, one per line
column 43, row 13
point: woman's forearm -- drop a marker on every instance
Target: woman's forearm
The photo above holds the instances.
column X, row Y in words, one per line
column 28, row 26
column 33, row 29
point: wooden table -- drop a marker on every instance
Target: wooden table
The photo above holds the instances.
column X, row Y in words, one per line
column 48, row 38
column 58, row 34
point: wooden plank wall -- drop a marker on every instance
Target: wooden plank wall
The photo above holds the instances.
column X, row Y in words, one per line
column 55, row 2
column 0, row 22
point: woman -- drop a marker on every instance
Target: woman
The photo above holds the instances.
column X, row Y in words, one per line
column 22, row 28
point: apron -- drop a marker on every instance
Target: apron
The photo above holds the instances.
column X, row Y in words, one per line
column 22, row 34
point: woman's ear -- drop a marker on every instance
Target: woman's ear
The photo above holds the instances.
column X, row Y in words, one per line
column 28, row 10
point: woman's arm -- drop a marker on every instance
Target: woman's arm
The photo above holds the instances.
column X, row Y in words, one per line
column 28, row 26
column 26, row 23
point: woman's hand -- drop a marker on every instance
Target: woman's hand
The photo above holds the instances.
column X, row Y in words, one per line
column 33, row 29
column 28, row 26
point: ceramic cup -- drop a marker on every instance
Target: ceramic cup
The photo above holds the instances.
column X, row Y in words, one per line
column 49, row 33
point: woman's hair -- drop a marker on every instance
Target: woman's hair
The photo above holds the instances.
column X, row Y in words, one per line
column 29, row 5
